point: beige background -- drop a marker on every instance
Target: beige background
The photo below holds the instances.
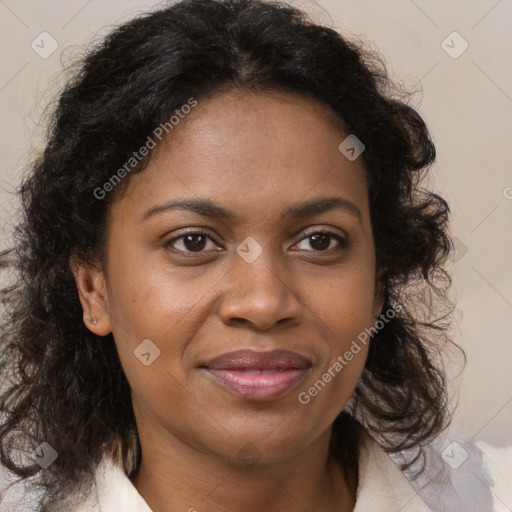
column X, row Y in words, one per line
column 466, row 101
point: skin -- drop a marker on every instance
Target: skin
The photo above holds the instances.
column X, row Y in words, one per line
column 257, row 155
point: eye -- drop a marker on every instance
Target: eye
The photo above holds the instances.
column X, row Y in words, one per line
column 321, row 241
column 193, row 241
column 196, row 241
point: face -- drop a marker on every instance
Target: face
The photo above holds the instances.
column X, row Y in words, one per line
column 249, row 267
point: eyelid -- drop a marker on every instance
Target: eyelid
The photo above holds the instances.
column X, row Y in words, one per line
column 323, row 229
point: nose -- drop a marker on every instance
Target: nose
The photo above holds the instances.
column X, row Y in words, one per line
column 260, row 295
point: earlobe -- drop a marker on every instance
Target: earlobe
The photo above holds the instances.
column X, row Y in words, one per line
column 92, row 291
column 93, row 321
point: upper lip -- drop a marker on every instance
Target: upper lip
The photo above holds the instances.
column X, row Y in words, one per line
column 254, row 360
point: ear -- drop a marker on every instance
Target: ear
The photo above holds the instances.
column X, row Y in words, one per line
column 92, row 291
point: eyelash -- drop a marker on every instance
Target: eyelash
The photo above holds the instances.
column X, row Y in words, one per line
column 343, row 242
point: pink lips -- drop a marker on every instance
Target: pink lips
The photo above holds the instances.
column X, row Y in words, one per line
column 258, row 376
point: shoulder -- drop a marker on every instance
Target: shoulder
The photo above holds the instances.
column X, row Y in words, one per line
column 381, row 485
column 113, row 491
column 497, row 460
column 458, row 475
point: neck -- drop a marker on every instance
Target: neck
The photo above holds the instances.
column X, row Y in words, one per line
column 176, row 476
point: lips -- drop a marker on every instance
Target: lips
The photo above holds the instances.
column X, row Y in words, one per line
column 259, row 376
column 251, row 360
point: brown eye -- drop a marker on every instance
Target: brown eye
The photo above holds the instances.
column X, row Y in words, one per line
column 191, row 242
column 321, row 241
column 194, row 243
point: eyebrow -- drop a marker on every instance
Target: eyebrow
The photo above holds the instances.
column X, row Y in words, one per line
column 208, row 208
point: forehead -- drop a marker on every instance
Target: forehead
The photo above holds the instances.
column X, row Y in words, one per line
column 253, row 151
column 236, row 122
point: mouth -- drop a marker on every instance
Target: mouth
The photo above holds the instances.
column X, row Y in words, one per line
column 258, row 376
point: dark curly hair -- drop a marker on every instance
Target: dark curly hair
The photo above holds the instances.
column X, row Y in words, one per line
column 60, row 385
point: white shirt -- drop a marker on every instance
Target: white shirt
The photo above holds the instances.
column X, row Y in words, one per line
column 478, row 482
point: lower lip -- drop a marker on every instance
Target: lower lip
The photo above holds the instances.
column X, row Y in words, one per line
column 259, row 386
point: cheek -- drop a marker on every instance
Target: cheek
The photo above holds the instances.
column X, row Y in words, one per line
column 343, row 301
column 152, row 300
column 343, row 308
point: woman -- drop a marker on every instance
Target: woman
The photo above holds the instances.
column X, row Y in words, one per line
column 230, row 289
